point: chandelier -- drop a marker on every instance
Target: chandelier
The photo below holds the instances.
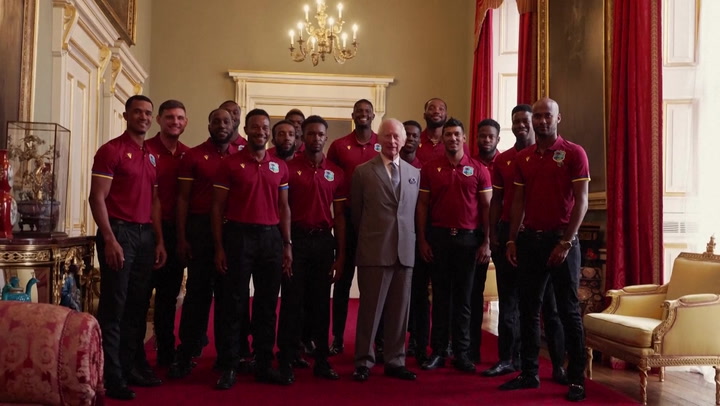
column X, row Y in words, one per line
column 327, row 38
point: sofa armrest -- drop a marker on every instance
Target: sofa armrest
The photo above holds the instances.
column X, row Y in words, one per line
column 637, row 301
column 691, row 328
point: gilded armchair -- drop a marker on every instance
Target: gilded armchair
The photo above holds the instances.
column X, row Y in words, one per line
column 675, row 324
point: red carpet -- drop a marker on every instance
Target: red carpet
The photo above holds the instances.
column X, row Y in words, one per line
column 444, row 386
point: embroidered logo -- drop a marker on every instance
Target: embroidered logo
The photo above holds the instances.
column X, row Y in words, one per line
column 329, row 175
column 206, row 157
column 240, row 147
column 242, row 166
column 412, row 181
column 559, row 157
column 348, row 147
column 508, row 163
column 377, row 147
column 152, row 160
column 129, row 155
column 468, row 170
column 299, row 173
column 439, row 169
column 527, row 159
column 274, row 167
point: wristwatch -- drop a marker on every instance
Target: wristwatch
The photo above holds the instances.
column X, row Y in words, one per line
column 288, row 242
column 566, row 244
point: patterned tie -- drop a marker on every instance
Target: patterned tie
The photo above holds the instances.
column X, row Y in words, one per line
column 395, row 178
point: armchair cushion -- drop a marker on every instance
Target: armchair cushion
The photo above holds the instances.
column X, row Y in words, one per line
column 49, row 355
column 691, row 276
column 628, row 330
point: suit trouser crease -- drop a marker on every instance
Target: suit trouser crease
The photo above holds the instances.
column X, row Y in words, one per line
column 384, row 293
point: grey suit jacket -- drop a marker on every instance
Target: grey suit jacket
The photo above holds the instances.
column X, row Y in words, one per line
column 385, row 223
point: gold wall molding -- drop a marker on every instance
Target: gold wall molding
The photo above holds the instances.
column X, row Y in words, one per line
column 25, row 256
column 70, row 18
column 27, row 68
column 115, row 68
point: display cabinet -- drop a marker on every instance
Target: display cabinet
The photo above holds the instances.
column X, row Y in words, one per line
column 39, row 154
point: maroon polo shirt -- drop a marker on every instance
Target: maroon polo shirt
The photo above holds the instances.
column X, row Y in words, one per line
column 132, row 171
column 348, row 153
column 490, row 165
column 454, row 191
column 239, row 143
column 416, row 163
column 427, row 151
column 503, row 175
column 199, row 165
column 548, row 181
column 167, row 173
column 312, row 191
column 252, row 187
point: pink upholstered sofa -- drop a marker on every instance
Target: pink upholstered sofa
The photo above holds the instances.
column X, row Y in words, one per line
column 49, row 355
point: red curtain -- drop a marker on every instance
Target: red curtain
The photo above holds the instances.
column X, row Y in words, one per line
column 527, row 90
column 634, row 146
column 481, row 103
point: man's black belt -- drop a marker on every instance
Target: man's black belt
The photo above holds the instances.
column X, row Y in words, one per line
column 118, row 222
column 251, row 226
column 297, row 231
column 452, row 231
column 542, row 234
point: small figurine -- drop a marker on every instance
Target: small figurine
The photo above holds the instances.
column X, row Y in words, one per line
column 13, row 291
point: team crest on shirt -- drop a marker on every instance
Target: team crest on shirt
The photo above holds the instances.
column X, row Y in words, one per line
column 274, row 167
column 152, row 160
column 240, row 147
column 329, row 175
column 468, row 170
column 377, row 147
column 559, row 157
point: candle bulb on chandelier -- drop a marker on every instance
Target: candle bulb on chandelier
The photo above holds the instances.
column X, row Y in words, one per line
column 354, row 32
column 344, row 38
column 300, row 27
column 292, row 37
column 319, row 2
column 340, row 11
column 307, row 9
column 331, row 21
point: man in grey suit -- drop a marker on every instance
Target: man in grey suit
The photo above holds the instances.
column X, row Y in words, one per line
column 383, row 197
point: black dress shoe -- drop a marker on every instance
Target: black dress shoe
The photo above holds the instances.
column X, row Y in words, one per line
column 560, row 376
column 361, row 374
column 300, row 362
column 143, row 377
column 501, row 368
column 521, row 382
column 323, row 369
column 576, row 393
column 463, row 364
column 180, row 369
column 286, row 372
column 272, row 376
column 435, row 361
column 227, row 379
column 336, row 348
column 400, row 373
column 120, row 392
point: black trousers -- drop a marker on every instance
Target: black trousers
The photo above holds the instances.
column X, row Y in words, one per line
column 477, row 308
column 202, row 284
column 420, row 304
column 251, row 251
column 341, row 290
column 508, row 285
column 533, row 252
column 452, row 272
column 307, row 289
column 167, row 281
column 124, row 298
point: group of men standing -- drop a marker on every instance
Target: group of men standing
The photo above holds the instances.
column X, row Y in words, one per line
column 406, row 206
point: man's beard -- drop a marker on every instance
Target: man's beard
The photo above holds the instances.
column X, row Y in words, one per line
column 434, row 124
column 284, row 154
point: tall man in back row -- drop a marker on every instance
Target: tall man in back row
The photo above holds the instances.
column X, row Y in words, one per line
column 550, row 202
column 125, row 205
column 348, row 152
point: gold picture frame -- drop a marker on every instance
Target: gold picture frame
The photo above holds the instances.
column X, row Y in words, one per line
column 122, row 14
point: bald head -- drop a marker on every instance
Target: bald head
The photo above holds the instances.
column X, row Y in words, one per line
column 545, row 118
column 391, row 136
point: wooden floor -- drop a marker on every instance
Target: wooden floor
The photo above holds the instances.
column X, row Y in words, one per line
column 679, row 388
